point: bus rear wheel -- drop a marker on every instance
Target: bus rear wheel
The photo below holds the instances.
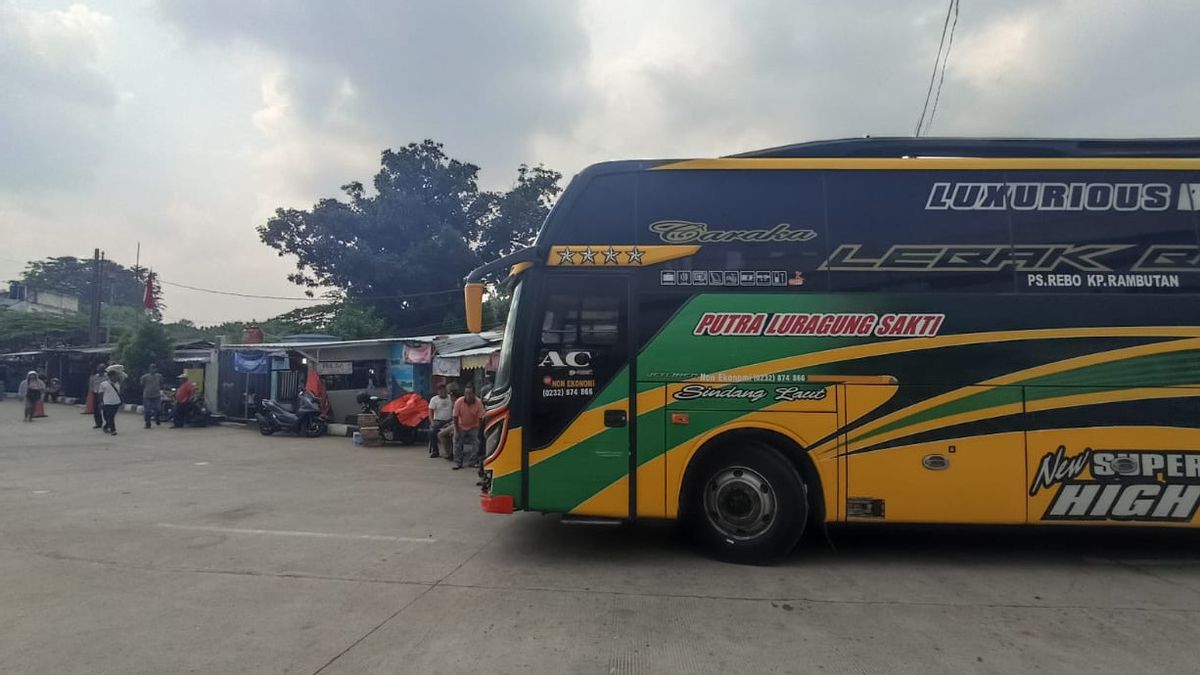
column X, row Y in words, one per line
column 746, row 504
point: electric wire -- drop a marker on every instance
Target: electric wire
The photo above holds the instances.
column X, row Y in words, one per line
column 945, row 58
column 933, row 75
column 237, row 294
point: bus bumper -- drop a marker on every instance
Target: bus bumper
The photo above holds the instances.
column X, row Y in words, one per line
column 497, row 503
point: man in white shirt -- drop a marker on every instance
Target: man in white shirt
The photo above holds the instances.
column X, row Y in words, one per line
column 441, row 413
column 110, row 396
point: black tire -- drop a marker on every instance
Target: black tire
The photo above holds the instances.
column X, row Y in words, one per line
column 744, row 502
column 265, row 428
column 314, row 427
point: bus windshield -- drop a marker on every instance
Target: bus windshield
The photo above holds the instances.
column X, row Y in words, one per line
column 504, row 370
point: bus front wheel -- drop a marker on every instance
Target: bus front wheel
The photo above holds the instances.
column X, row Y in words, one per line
column 745, row 503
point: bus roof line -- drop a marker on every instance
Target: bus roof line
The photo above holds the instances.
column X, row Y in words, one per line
column 937, row 163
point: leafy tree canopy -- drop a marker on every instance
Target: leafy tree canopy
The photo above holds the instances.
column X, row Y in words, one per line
column 346, row 320
column 147, row 344
column 22, row 331
column 122, row 286
column 400, row 247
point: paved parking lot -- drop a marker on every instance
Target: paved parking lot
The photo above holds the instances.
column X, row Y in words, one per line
column 218, row 551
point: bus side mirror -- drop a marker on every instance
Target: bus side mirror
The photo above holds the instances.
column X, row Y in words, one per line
column 473, row 299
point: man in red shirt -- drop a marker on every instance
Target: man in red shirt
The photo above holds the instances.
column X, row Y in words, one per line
column 468, row 414
column 183, row 400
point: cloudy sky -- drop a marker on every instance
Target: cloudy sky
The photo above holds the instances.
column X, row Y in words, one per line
column 183, row 124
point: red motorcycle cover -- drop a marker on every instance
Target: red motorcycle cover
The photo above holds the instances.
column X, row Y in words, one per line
column 410, row 409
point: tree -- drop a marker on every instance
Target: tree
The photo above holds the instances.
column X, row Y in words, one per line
column 146, row 344
column 122, row 286
column 404, row 248
column 355, row 321
column 495, row 309
column 21, row 331
column 184, row 329
column 517, row 214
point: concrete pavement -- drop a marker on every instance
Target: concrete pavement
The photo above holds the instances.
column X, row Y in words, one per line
column 217, row 551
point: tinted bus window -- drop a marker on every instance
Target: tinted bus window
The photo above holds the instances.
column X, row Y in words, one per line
column 1104, row 232
column 902, row 231
column 601, row 212
column 769, row 224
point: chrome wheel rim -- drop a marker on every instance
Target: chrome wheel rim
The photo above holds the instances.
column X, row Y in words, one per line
column 740, row 503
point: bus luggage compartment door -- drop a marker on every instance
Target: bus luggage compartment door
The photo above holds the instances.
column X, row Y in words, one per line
column 954, row 456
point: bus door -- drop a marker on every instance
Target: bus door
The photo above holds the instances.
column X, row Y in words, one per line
column 580, row 413
column 957, row 458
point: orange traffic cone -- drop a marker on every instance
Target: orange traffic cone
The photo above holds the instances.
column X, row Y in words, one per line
column 89, row 408
column 39, row 409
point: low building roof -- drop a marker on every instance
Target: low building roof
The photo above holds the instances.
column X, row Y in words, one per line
column 455, row 341
column 477, row 351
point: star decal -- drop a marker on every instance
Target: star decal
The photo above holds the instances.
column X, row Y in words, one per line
column 566, row 256
column 635, row 255
column 588, row 256
column 610, row 256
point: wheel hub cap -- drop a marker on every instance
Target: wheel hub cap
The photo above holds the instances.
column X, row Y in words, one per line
column 740, row 503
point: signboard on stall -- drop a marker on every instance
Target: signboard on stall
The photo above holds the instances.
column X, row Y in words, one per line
column 446, row 367
column 254, row 363
column 336, row 367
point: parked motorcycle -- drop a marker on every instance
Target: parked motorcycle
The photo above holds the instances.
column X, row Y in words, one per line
column 196, row 415
column 400, row 419
column 304, row 419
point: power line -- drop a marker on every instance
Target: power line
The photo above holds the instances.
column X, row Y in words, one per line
column 933, row 75
column 236, row 294
column 239, row 295
column 945, row 58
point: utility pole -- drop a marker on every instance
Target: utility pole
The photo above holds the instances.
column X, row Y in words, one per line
column 94, row 322
column 112, row 288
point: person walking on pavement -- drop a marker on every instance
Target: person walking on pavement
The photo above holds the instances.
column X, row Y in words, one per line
column 110, row 397
column 468, row 413
column 441, row 413
column 94, row 383
column 30, row 392
column 151, row 394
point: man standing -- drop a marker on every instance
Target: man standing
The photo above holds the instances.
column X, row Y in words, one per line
column 183, row 400
column 94, row 383
column 110, row 397
column 151, row 394
column 468, row 413
column 441, row 413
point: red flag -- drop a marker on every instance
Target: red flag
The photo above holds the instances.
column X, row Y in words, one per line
column 316, row 387
column 150, row 302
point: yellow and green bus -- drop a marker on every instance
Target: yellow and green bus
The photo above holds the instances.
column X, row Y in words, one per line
column 895, row 330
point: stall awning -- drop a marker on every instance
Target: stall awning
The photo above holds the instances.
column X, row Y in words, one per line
column 21, row 355
column 478, row 357
column 442, row 342
column 192, row 355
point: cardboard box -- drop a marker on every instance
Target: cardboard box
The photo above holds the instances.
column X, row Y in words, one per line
column 366, row 420
column 370, row 435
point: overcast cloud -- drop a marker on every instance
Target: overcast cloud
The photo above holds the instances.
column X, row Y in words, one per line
column 182, row 125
